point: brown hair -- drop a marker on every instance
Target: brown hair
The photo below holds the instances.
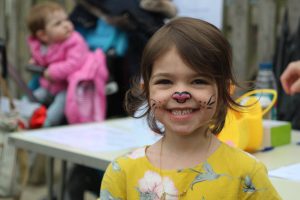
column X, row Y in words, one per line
column 202, row 47
column 38, row 14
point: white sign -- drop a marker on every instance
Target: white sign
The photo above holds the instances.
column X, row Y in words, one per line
column 208, row 10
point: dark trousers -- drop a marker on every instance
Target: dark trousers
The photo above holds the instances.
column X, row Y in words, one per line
column 83, row 179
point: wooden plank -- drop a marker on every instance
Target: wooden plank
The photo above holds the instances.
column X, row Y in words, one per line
column 266, row 31
column 12, row 38
column 294, row 13
column 2, row 19
column 23, row 52
column 240, row 26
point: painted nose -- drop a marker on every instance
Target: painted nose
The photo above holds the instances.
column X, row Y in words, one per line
column 181, row 97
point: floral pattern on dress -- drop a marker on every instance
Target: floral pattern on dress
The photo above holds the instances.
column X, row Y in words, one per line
column 106, row 195
column 152, row 186
column 208, row 174
column 115, row 166
column 138, row 153
column 248, row 185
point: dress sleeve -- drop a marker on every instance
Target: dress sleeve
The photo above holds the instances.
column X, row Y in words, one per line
column 257, row 184
column 113, row 186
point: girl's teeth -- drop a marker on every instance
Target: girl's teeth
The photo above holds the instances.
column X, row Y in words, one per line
column 181, row 112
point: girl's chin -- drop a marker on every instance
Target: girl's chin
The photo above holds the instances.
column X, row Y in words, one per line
column 181, row 130
column 186, row 128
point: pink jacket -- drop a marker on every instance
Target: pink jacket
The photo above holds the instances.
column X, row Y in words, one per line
column 69, row 64
column 86, row 99
column 61, row 59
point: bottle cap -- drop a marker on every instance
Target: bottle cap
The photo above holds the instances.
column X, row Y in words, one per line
column 266, row 65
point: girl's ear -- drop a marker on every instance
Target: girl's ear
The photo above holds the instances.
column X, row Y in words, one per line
column 42, row 36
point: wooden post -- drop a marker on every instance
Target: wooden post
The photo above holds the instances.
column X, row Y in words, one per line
column 294, row 13
column 266, row 34
column 12, row 37
column 237, row 32
column 23, row 54
column 2, row 19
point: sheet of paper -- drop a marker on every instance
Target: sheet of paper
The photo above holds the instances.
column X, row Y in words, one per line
column 291, row 172
column 208, row 10
column 100, row 137
column 24, row 107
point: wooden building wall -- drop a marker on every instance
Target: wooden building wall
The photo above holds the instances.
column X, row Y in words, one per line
column 251, row 26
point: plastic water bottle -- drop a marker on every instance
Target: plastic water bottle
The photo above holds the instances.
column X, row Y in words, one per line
column 266, row 80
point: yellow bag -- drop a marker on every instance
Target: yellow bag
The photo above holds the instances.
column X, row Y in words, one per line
column 244, row 129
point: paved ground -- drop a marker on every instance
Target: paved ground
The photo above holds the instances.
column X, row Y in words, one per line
column 39, row 191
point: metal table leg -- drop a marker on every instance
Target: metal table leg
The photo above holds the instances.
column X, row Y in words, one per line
column 49, row 177
column 63, row 179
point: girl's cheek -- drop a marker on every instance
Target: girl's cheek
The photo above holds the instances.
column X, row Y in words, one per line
column 208, row 102
column 156, row 104
column 159, row 98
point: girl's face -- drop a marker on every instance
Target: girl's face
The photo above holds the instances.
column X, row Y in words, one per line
column 183, row 100
column 58, row 27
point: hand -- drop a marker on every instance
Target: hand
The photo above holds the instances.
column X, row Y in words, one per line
column 47, row 76
column 31, row 61
column 290, row 78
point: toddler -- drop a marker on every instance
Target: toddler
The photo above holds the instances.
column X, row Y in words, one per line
column 61, row 51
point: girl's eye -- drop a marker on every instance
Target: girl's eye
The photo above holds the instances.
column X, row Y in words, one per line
column 58, row 23
column 200, row 81
column 163, row 82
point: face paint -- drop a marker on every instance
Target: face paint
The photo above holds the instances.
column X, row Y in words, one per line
column 181, row 97
column 208, row 104
column 154, row 104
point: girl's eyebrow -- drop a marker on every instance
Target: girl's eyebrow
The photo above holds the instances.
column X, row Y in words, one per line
column 166, row 75
column 161, row 75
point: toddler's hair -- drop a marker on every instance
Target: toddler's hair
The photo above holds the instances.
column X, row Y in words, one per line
column 203, row 48
column 38, row 14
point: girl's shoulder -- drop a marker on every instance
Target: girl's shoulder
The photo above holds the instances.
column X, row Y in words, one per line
column 236, row 159
column 131, row 159
column 239, row 154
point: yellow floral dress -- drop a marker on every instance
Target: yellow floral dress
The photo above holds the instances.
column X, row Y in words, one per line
column 229, row 173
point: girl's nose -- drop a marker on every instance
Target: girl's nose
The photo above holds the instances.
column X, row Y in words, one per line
column 68, row 25
column 181, row 97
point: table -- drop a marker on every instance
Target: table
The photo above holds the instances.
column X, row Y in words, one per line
column 103, row 142
column 94, row 144
column 283, row 156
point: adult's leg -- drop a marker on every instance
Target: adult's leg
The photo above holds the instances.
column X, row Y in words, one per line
column 83, row 179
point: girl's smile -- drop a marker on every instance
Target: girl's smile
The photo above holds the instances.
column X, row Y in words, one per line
column 182, row 114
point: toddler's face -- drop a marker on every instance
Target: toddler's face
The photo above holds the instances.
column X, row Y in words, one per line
column 183, row 100
column 58, row 27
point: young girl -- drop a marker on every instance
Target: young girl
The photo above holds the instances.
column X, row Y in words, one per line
column 66, row 58
column 186, row 74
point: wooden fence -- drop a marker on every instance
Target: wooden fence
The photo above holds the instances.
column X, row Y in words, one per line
column 251, row 26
